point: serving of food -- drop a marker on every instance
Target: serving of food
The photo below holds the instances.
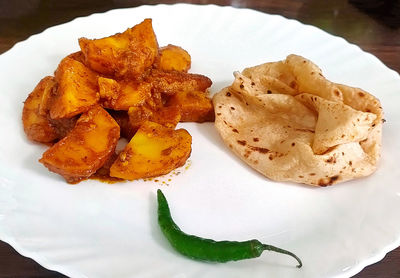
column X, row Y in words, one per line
column 131, row 106
column 287, row 121
column 146, row 91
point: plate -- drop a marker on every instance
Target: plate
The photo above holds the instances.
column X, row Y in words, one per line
column 95, row 229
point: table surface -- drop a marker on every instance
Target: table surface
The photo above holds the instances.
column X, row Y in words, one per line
column 373, row 27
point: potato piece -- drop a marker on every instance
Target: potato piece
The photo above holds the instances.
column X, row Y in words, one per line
column 77, row 56
column 86, row 148
column 194, row 106
column 170, row 82
column 47, row 96
column 120, row 95
column 156, row 101
column 77, row 89
column 173, row 57
column 139, row 115
column 63, row 126
column 126, row 128
column 36, row 125
column 126, row 54
column 166, row 116
column 153, row 151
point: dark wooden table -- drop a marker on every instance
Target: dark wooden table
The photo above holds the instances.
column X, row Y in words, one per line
column 374, row 27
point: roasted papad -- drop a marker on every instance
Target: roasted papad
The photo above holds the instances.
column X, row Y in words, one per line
column 289, row 123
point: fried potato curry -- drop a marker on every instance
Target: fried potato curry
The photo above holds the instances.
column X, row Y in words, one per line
column 122, row 86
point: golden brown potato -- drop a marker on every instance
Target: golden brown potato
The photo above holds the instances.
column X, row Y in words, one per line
column 153, row 151
column 36, row 125
column 173, row 57
column 166, row 116
column 77, row 89
column 63, row 126
column 126, row 54
column 156, row 101
column 77, row 56
column 194, row 106
column 120, row 95
column 170, row 82
column 47, row 96
column 126, row 129
column 138, row 115
column 86, row 148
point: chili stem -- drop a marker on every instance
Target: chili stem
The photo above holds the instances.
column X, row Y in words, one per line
column 282, row 251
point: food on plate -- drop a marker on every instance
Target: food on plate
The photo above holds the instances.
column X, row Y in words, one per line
column 123, row 85
column 207, row 249
column 63, row 126
column 85, row 148
column 120, row 95
column 167, row 116
column 37, row 127
column 170, row 82
column 77, row 89
column 173, row 57
column 154, row 150
column 127, row 129
column 128, row 54
column 290, row 123
column 194, row 106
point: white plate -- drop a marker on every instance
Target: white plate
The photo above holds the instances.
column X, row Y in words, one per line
column 98, row 230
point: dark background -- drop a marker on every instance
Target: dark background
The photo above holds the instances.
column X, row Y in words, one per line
column 371, row 24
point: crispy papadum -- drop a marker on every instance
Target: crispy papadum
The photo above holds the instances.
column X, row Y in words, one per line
column 289, row 123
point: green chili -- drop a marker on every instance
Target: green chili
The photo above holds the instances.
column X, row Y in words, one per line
column 207, row 249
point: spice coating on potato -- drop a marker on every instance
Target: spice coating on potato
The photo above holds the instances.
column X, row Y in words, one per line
column 63, row 126
column 36, row 125
column 166, row 116
column 173, row 57
column 77, row 56
column 194, row 106
column 86, row 148
column 170, row 82
column 120, row 95
column 77, row 89
column 127, row 130
column 138, row 115
column 153, row 151
column 47, row 95
column 126, row 54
